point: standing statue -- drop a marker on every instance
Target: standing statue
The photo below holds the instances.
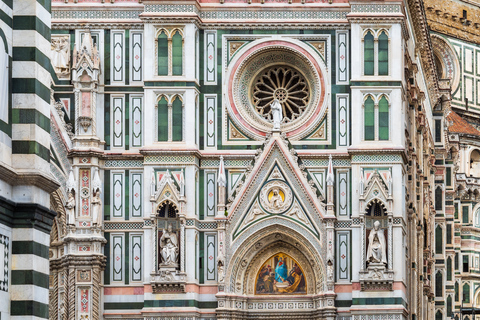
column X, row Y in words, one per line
column 169, row 245
column 97, row 209
column 70, row 208
column 277, row 114
column 376, row 252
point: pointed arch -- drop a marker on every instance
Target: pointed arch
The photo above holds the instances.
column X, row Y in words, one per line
column 177, row 52
column 383, row 118
column 369, row 118
column 368, row 53
column 383, row 41
column 162, row 52
column 162, row 118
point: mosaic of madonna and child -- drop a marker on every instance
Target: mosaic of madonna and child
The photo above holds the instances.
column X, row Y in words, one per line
column 280, row 275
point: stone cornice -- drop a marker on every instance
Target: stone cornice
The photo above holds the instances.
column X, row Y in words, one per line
column 35, row 178
column 446, row 17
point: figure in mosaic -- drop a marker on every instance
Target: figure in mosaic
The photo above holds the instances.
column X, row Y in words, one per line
column 169, row 245
column 376, row 251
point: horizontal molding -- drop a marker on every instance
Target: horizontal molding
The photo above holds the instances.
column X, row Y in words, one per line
column 22, row 85
column 30, row 247
column 21, row 277
column 170, row 84
column 30, row 147
column 32, row 23
column 29, row 308
column 123, row 305
column 34, row 177
column 31, row 116
column 180, row 303
column 125, row 89
column 378, row 301
column 376, row 83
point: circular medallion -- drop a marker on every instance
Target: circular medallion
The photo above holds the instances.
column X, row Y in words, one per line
column 286, row 70
column 276, row 197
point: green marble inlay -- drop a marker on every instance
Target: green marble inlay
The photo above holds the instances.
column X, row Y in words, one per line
column 30, row 247
column 177, row 54
column 29, row 308
column 22, row 277
column 31, row 116
column 177, row 120
column 31, row 147
column 163, row 120
column 21, row 85
column 31, row 23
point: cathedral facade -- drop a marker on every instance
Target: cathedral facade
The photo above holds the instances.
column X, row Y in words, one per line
column 239, row 159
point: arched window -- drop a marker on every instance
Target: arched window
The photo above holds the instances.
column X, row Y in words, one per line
column 4, row 80
column 449, row 306
column 383, row 54
column 466, row 293
column 383, row 119
column 438, row 199
column 177, row 119
column 449, row 269
column 438, row 315
column 162, row 119
column 162, row 54
column 476, row 218
column 438, row 240
column 177, row 54
column 368, row 54
column 456, row 292
column 475, row 163
column 438, row 284
column 369, row 119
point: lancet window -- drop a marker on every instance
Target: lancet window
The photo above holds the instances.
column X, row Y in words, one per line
column 170, row 118
column 375, row 53
column 376, row 118
column 170, row 52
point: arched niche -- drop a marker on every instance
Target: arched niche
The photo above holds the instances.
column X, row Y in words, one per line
column 168, row 221
column 475, row 163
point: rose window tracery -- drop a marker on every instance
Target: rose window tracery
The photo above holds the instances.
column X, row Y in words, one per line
column 287, row 85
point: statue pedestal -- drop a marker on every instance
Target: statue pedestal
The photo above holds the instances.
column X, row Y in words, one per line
column 168, row 279
column 376, row 278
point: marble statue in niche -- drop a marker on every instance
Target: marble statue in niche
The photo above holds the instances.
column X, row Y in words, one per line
column 376, row 251
column 280, row 274
column 70, row 207
column 169, row 247
column 97, row 209
column 277, row 114
column 60, row 58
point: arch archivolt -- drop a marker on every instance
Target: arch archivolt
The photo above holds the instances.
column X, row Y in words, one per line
column 244, row 263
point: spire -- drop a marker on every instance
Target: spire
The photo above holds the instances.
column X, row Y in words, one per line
column 330, row 176
column 222, row 180
column 71, row 181
column 97, row 183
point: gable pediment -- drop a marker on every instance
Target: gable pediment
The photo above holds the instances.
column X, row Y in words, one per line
column 276, row 188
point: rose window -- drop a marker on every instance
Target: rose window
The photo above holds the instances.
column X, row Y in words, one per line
column 287, row 85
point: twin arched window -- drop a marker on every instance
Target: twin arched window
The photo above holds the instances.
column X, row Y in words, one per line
column 170, row 53
column 376, row 119
column 375, row 61
column 170, row 119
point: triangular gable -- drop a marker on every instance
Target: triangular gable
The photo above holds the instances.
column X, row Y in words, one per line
column 166, row 189
column 376, row 188
column 293, row 210
column 275, row 164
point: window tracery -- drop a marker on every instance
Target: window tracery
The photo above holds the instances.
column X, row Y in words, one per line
column 287, row 85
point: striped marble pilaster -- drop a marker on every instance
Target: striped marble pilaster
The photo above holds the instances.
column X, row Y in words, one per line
column 30, row 266
column 31, row 85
